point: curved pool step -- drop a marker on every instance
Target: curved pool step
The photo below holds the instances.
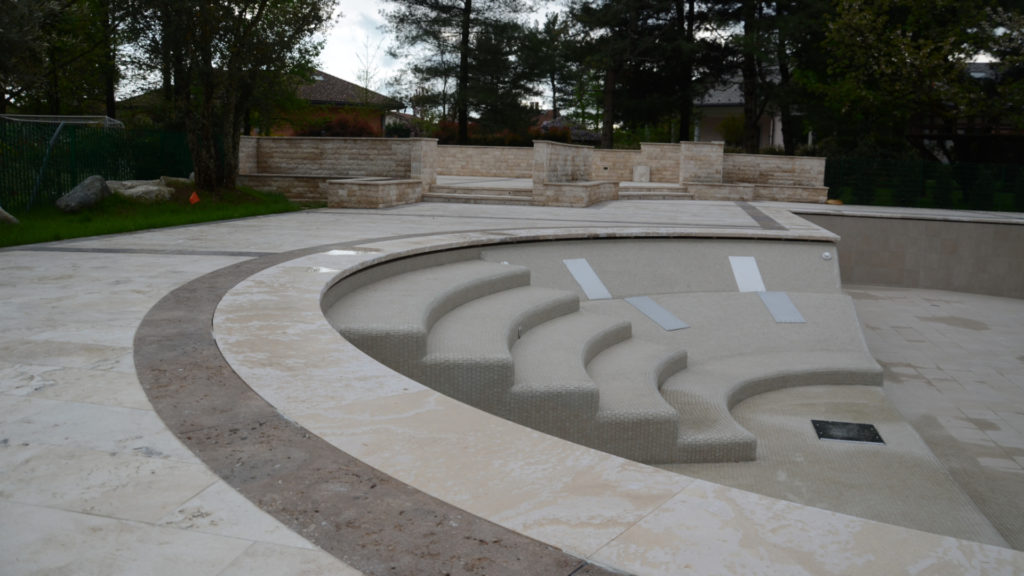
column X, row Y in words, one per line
column 633, row 419
column 469, row 350
column 390, row 318
column 553, row 392
column 704, row 396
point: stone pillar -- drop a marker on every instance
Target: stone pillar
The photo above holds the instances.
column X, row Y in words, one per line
column 248, row 155
column 423, row 161
column 701, row 162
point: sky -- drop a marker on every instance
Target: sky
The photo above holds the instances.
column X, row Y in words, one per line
column 354, row 36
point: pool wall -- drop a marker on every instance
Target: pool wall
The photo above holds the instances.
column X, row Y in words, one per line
column 976, row 256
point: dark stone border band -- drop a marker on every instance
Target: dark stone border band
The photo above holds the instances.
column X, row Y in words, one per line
column 763, row 220
column 362, row 516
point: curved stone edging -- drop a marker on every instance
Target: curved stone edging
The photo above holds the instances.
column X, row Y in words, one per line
column 695, row 527
column 360, row 515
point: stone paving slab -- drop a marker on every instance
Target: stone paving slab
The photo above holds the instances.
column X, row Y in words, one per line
column 71, row 398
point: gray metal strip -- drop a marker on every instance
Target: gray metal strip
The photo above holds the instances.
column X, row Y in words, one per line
column 748, row 277
column 782, row 308
column 654, row 311
column 587, row 279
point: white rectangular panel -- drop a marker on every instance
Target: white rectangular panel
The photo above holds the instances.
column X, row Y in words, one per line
column 654, row 311
column 748, row 277
column 587, row 279
column 782, row 308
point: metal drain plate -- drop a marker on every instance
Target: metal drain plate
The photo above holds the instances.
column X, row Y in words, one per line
column 848, row 431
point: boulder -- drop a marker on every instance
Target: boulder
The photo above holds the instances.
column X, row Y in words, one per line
column 145, row 190
column 88, row 193
column 6, row 217
column 171, row 181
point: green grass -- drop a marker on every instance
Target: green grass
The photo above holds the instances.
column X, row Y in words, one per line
column 117, row 214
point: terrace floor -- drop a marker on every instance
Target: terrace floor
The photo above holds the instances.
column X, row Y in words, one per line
column 114, row 458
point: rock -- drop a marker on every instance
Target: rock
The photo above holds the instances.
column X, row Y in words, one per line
column 171, row 181
column 88, row 193
column 6, row 217
column 145, row 190
column 150, row 193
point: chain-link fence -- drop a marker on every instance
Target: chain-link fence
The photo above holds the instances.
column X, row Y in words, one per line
column 40, row 162
column 926, row 184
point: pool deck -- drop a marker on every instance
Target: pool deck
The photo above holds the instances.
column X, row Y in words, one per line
column 116, row 353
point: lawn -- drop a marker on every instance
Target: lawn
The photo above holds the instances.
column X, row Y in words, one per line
column 118, row 214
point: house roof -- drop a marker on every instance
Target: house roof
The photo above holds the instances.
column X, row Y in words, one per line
column 327, row 89
column 727, row 94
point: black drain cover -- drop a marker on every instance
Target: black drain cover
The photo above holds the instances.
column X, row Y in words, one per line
column 850, row 431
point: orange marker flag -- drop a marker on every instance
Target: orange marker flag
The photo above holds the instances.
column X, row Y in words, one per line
column 193, row 199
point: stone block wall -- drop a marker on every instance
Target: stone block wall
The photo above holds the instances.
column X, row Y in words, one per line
column 613, row 165
column 662, row 159
column 485, row 161
column 247, row 155
column 557, row 162
column 701, row 162
column 778, row 170
column 335, row 157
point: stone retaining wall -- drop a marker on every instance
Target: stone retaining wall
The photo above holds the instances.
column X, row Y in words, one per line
column 300, row 168
column 337, row 157
column 485, row 161
column 766, row 169
column 613, row 165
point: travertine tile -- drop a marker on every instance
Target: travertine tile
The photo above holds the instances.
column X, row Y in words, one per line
column 91, row 426
column 128, row 486
column 220, row 510
column 709, row 529
column 40, row 540
column 263, row 559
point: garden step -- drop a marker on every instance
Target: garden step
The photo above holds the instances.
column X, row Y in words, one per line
column 390, row 318
column 553, row 392
column 634, row 420
column 469, row 350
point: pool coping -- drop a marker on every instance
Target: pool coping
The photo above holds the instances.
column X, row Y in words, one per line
column 246, row 440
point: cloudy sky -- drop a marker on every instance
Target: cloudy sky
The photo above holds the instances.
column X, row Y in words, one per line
column 357, row 35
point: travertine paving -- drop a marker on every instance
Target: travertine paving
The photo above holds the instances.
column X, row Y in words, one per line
column 92, row 481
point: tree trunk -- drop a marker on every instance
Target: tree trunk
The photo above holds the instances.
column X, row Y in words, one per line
column 686, row 21
column 791, row 130
column 608, row 110
column 751, row 96
column 461, row 97
column 53, row 83
column 110, row 70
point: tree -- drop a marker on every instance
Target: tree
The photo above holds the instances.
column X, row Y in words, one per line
column 214, row 56
column 22, row 47
column 452, row 26
column 62, row 56
column 548, row 52
column 610, row 38
column 502, row 81
column 896, row 62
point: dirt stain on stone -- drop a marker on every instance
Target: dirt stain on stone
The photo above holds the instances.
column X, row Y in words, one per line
column 857, row 295
column 956, row 322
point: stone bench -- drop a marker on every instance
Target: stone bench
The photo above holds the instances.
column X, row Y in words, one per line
column 372, row 192
column 576, row 194
column 390, row 318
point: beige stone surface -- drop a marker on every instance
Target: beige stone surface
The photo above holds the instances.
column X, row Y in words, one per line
column 403, row 429
column 69, row 399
